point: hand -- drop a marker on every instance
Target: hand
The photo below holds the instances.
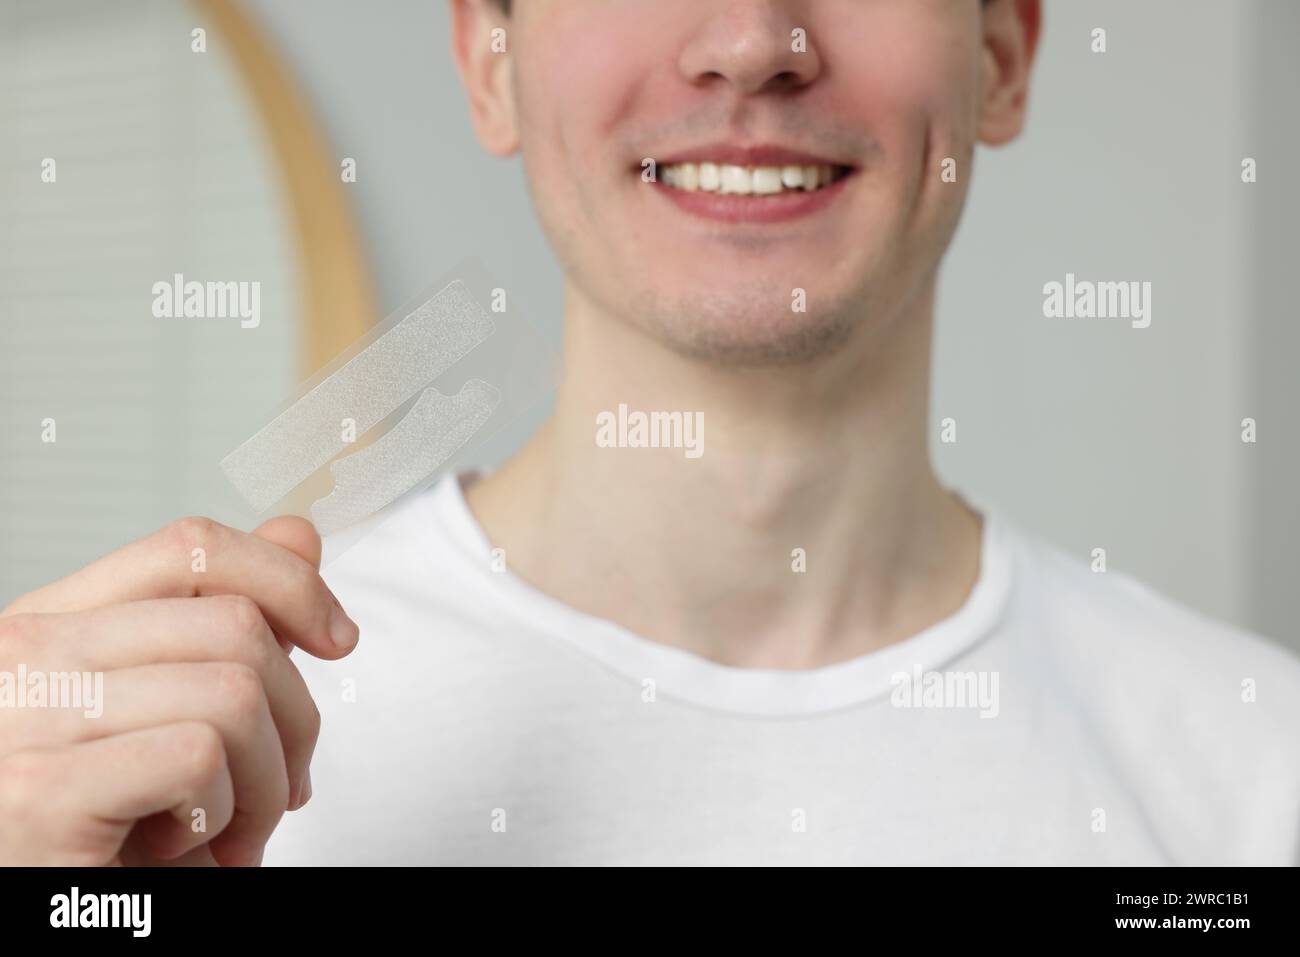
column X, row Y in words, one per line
column 202, row 710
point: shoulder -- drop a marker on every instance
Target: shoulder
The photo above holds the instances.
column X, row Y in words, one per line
column 1199, row 715
column 424, row 547
column 1117, row 628
column 420, row 587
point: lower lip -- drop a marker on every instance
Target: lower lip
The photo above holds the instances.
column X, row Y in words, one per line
column 776, row 208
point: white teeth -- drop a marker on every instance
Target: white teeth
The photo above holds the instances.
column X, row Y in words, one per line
column 736, row 179
column 767, row 180
column 745, row 180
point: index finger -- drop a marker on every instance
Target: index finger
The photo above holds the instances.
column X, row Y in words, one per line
column 196, row 557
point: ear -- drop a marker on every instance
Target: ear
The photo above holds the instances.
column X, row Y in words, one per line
column 480, row 43
column 1011, row 29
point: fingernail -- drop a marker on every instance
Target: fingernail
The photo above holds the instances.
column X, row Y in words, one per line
column 306, row 788
column 343, row 630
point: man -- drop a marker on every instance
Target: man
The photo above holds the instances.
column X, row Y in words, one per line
column 793, row 647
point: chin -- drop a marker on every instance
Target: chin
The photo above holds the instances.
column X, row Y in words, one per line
column 728, row 334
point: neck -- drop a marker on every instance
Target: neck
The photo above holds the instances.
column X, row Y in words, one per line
column 826, row 459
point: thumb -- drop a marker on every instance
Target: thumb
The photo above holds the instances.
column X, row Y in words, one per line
column 298, row 536
column 294, row 533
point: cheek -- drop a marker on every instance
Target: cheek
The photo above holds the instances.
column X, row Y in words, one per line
column 582, row 74
column 914, row 87
column 913, row 91
column 582, row 69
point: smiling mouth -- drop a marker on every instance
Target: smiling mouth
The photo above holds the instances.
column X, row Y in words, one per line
column 726, row 179
column 746, row 185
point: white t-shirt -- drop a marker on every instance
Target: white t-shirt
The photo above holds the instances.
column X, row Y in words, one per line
column 1061, row 716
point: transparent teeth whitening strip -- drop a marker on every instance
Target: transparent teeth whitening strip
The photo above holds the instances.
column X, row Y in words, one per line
column 363, row 392
column 490, row 367
column 435, row 427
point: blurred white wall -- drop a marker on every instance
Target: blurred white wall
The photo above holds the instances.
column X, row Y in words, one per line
column 1273, row 531
column 1099, row 434
column 160, row 167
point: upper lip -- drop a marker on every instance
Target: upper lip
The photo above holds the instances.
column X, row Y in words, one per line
column 735, row 154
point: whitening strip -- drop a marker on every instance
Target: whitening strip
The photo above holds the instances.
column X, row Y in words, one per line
column 443, row 383
column 374, row 477
column 369, row 387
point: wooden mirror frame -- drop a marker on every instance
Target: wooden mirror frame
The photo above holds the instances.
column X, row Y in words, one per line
column 336, row 295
